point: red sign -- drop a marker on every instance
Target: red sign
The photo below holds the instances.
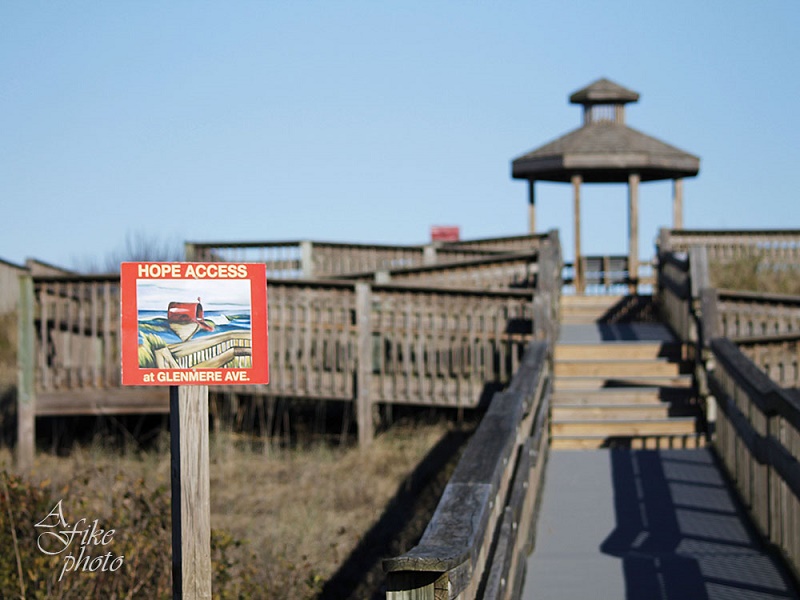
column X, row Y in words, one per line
column 194, row 323
column 445, row 233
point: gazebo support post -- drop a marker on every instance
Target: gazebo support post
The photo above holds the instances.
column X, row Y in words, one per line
column 677, row 203
column 633, row 232
column 578, row 269
column 531, row 206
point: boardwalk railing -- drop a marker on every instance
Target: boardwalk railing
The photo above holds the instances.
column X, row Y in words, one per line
column 353, row 341
column 69, row 349
column 749, row 315
column 312, row 259
column 746, row 347
column 758, row 439
column 777, row 246
column 778, row 356
column 327, row 340
column 476, row 544
column 517, row 270
column 608, row 274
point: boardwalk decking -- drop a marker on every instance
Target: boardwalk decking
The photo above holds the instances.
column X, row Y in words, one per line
column 645, row 525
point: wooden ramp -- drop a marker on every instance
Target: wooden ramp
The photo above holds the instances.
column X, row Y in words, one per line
column 620, row 382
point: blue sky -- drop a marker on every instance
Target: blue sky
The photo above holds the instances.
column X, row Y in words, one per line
column 372, row 121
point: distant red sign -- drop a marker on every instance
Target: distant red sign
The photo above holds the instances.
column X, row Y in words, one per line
column 445, row 233
column 194, row 323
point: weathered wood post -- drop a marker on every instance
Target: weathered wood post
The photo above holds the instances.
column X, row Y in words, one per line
column 190, row 252
column 578, row 268
column 633, row 232
column 703, row 328
column 698, row 281
column 307, row 259
column 429, row 254
column 548, row 286
column 531, row 206
column 26, row 394
column 191, row 496
column 364, row 372
column 677, row 203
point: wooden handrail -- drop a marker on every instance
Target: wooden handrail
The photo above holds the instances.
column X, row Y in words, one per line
column 777, row 245
column 490, row 492
column 441, row 269
column 310, row 259
column 759, row 297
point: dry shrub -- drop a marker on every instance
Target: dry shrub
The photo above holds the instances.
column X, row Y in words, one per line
column 754, row 274
column 140, row 518
column 282, row 522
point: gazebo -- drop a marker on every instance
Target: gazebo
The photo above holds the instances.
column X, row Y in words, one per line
column 606, row 150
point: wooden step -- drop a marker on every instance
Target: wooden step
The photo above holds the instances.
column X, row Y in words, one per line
column 691, row 440
column 614, row 428
column 570, row 301
column 610, row 412
column 619, row 350
column 616, row 368
column 621, row 395
column 589, row 383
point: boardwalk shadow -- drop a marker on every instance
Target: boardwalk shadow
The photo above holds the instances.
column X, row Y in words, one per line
column 680, row 533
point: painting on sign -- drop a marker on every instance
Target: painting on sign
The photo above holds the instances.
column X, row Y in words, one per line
column 189, row 323
column 180, row 321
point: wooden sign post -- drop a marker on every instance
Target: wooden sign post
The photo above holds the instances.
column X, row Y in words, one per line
column 171, row 337
column 191, row 494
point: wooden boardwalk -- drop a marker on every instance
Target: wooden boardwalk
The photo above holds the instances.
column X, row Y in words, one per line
column 621, row 523
column 633, row 504
column 645, row 525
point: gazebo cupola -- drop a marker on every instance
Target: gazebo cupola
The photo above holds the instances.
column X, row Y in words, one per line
column 605, row 150
column 603, row 101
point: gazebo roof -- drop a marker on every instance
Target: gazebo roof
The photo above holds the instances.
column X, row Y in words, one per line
column 605, row 150
column 604, row 91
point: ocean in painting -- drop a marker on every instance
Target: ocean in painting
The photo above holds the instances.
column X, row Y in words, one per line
column 154, row 322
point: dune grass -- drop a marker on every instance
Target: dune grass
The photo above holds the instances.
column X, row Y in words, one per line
column 753, row 274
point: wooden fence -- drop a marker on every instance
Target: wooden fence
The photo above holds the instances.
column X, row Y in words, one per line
column 746, row 349
column 9, row 286
column 476, row 544
column 327, row 340
column 777, row 246
column 747, row 314
column 758, row 440
column 360, row 342
column 313, row 259
column 738, row 315
column 501, row 271
column 70, row 348
column 606, row 274
column 778, row 356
